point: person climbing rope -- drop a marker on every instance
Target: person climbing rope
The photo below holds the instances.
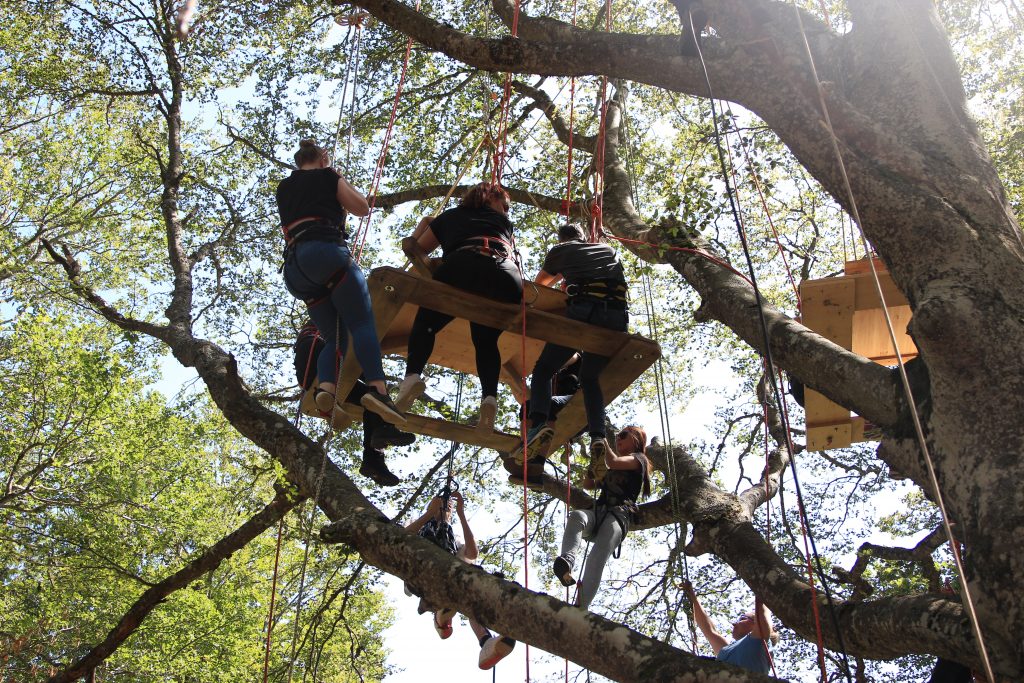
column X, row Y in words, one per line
column 478, row 256
column 627, row 477
column 319, row 270
column 435, row 524
column 377, row 434
column 596, row 286
column 750, row 633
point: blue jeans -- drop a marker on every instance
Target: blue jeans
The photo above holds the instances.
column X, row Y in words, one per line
column 336, row 312
column 554, row 357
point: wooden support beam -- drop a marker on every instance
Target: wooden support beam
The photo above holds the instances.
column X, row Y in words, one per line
column 453, row 431
column 631, row 360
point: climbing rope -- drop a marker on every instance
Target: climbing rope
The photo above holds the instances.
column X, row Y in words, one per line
column 918, row 429
column 354, row 22
column 777, row 394
column 364, row 224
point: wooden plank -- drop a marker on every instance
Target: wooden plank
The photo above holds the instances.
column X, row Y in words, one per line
column 820, row 411
column 836, row 436
column 828, row 307
column 627, row 364
column 866, row 295
column 542, row 325
column 453, row 431
column 871, row 335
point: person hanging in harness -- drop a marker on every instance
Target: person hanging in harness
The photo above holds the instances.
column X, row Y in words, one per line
column 435, row 526
column 596, row 286
column 750, row 635
column 318, row 269
column 626, row 478
column 478, row 256
column 377, row 434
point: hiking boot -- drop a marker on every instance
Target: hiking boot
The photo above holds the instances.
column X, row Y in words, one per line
column 598, row 449
column 494, row 650
column 562, row 569
column 408, row 391
column 538, row 441
column 488, row 411
column 376, row 469
column 443, row 622
column 324, row 401
column 379, row 403
column 389, row 435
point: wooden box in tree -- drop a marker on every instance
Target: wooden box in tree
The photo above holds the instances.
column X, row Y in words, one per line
column 847, row 311
column 397, row 296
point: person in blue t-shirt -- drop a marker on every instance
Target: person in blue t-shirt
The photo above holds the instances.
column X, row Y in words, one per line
column 751, row 634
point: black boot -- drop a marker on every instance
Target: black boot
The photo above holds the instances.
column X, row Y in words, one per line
column 375, row 468
column 386, row 434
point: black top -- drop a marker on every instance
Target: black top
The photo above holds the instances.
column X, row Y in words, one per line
column 623, row 486
column 582, row 262
column 312, row 192
column 457, row 227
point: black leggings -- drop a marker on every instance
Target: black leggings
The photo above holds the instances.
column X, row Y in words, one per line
column 483, row 275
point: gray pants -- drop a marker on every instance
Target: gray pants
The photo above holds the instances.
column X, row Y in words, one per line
column 605, row 541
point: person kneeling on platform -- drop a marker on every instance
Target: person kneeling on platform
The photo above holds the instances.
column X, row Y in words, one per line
column 435, row 525
column 596, row 286
column 377, row 434
column 626, row 477
column 750, row 635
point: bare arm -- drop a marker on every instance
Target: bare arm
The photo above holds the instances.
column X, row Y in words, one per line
column 431, row 512
column 471, row 552
column 700, row 617
column 424, row 236
column 762, row 621
column 350, row 198
column 547, row 279
column 621, row 462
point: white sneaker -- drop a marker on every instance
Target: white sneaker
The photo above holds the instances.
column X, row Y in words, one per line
column 408, row 391
column 443, row 622
column 495, row 649
column 488, row 411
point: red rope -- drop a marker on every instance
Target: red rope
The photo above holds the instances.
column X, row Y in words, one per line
column 378, row 172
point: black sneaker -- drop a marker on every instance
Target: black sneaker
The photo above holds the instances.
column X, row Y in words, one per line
column 381, row 404
column 375, row 468
column 389, row 435
column 563, row 571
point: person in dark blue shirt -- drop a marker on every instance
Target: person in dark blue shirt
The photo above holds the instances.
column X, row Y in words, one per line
column 751, row 634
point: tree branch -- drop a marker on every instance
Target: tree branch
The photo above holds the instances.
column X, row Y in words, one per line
column 204, row 563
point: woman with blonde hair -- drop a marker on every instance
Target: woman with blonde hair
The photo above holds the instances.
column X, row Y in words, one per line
column 622, row 477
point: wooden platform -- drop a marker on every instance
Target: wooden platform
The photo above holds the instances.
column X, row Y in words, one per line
column 397, row 296
column 847, row 311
